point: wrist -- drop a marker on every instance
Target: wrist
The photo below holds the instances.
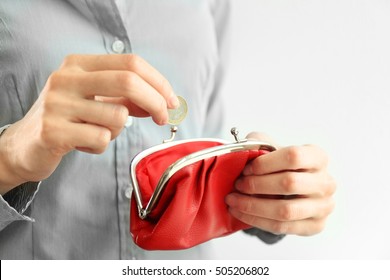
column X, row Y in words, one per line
column 8, row 177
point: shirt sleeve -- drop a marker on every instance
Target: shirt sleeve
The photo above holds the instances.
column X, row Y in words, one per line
column 265, row 236
column 14, row 203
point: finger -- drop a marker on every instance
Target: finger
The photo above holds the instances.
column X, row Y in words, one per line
column 133, row 110
column 96, row 138
column 123, row 84
column 70, row 136
column 302, row 227
column 128, row 63
column 281, row 209
column 288, row 183
column 307, row 157
column 109, row 115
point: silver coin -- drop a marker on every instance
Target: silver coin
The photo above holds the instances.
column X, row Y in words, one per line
column 176, row 116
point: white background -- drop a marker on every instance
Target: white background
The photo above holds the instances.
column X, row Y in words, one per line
column 319, row 72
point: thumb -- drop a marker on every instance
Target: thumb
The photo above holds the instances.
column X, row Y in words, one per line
column 255, row 135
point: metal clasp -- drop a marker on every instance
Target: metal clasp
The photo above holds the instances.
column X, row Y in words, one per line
column 173, row 134
column 234, row 131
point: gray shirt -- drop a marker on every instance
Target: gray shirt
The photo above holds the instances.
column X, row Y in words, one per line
column 82, row 210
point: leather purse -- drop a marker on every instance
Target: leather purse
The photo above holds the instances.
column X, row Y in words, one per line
column 179, row 190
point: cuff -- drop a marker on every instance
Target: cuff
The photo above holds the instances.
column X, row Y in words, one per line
column 14, row 203
column 265, row 236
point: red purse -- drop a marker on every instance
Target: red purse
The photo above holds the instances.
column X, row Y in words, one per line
column 180, row 188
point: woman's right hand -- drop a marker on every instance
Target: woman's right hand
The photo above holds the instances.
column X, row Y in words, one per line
column 83, row 106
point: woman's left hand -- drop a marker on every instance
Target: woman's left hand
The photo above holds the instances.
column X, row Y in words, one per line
column 288, row 191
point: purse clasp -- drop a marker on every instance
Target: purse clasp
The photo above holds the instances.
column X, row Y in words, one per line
column 173, row 134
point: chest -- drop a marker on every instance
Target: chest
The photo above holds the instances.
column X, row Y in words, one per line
column 176, row 37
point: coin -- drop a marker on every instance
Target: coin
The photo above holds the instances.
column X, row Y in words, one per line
column 176, row 116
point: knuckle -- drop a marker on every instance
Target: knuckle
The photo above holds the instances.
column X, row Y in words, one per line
column 279, row 227
column 103, row 138
column 238, row 214
column 290, row 182
column 51, row 140
column 127, row 80
column 328, row 187
column 245, row 205
column 55, row 80
column 120, row 114
column 287, row 212
column 159, row 111
column 58, row 151
column 48, row 105
column 294, row 155
column 162, row 106
column 51, row 104
column 165, row 86
column 133, row 61
column 100, row 141
column 70, row 60
column 249, row 219
column 251, row 184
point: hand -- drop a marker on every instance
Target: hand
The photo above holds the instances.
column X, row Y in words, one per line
column 83, row 106
column 288, row 191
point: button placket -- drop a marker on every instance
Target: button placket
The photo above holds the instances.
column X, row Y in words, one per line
column 116, row 41
column 114, row 33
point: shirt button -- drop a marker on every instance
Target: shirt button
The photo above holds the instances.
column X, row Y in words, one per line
column 118, row 46
column 129, row 121
column 128, row 193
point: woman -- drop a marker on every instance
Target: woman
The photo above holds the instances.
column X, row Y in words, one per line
column 80, row 95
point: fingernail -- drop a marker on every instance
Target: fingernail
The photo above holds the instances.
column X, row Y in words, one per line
column 231, row 200
column 248, row 170
column 174, row 101
column 162, row 121
column 238, row 184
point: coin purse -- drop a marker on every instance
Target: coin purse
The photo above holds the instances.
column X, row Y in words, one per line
column 179, row 190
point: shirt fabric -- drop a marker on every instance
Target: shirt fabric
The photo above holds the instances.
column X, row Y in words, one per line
column 82, row 210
